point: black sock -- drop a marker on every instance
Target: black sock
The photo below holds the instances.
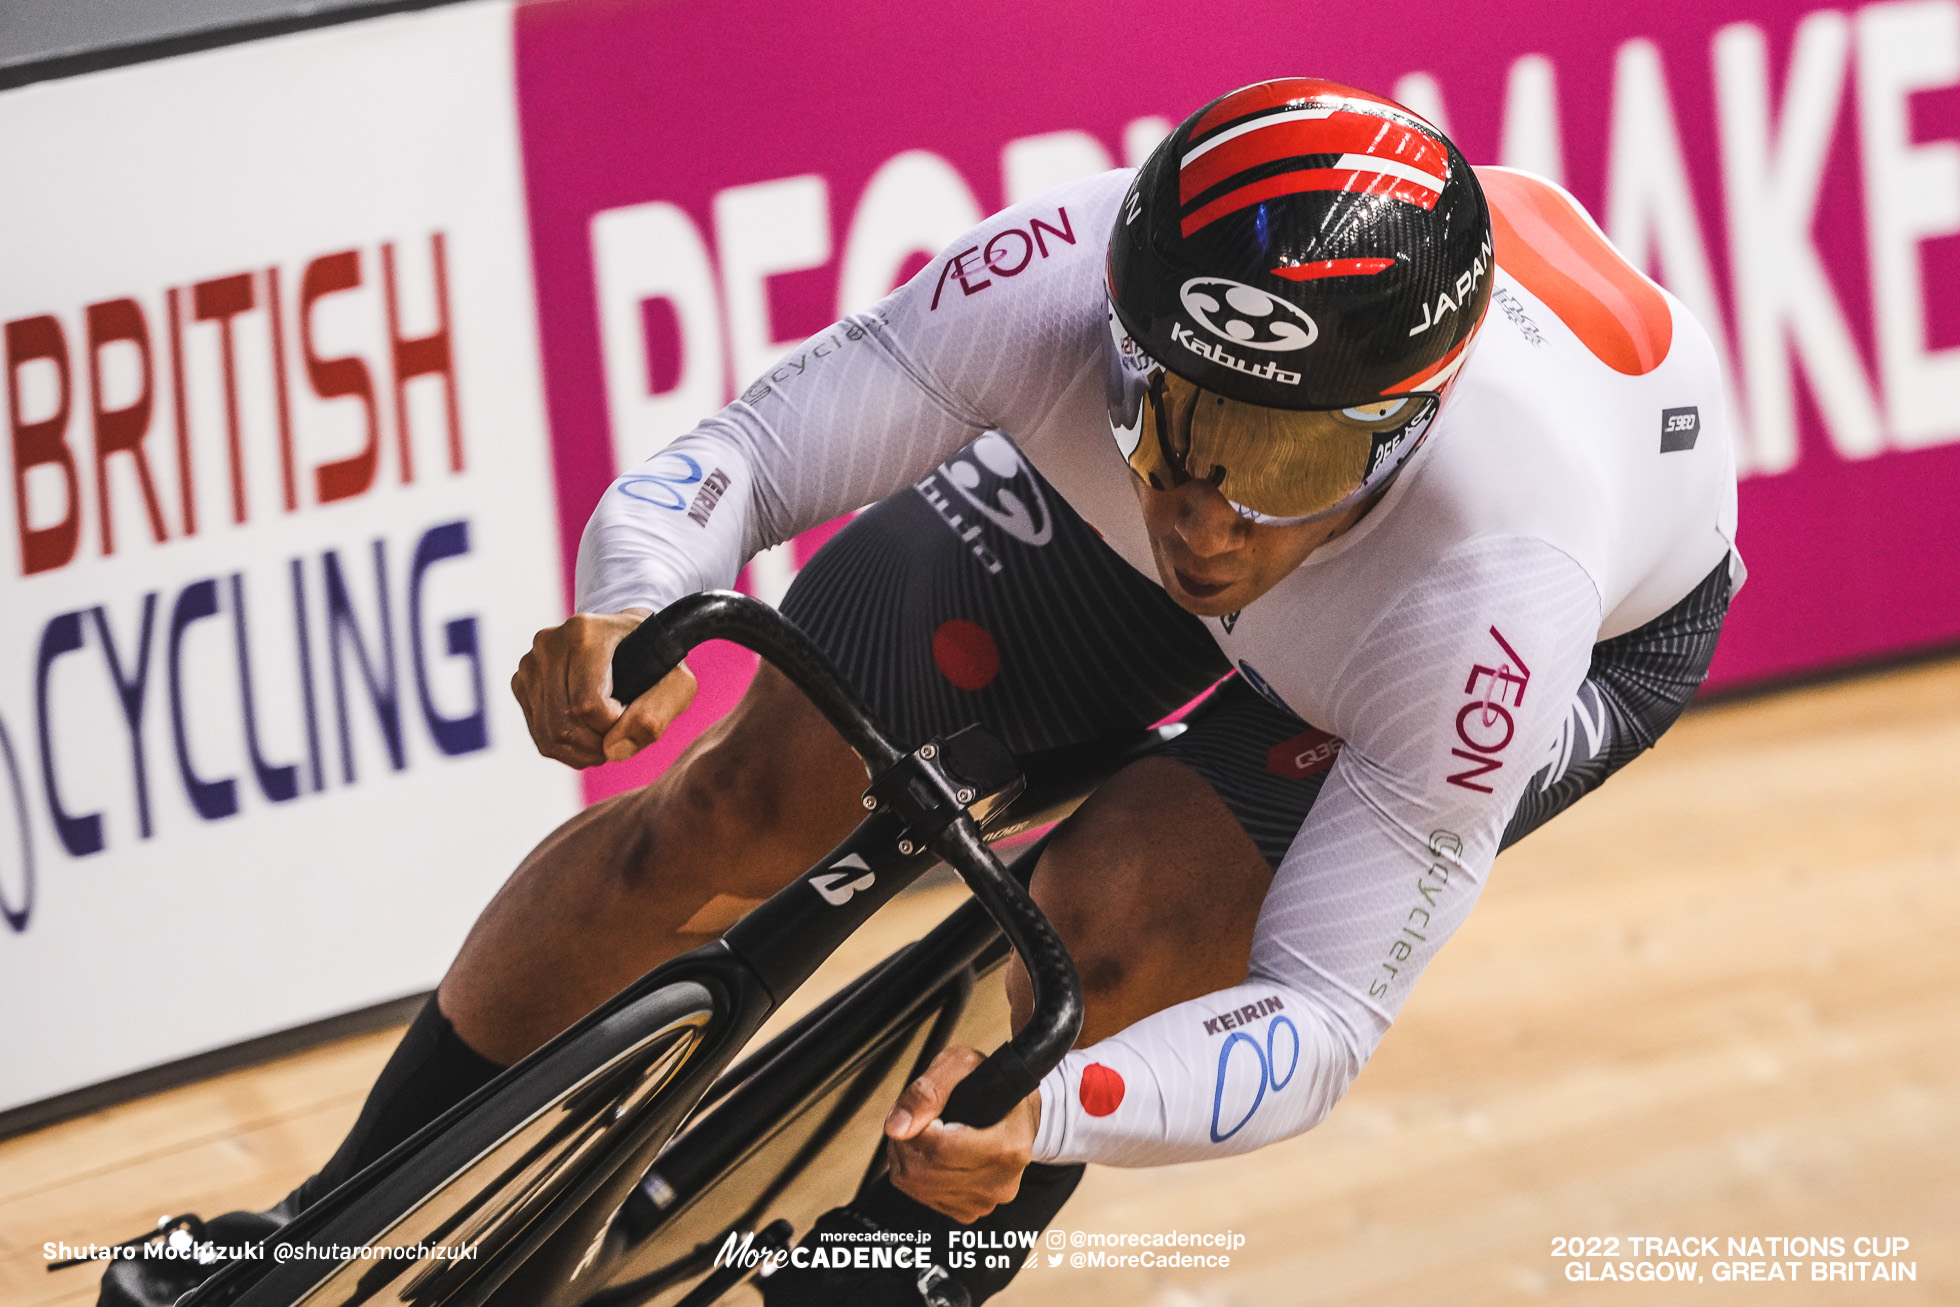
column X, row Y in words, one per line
column 432, row 1070
column 1044, row 1189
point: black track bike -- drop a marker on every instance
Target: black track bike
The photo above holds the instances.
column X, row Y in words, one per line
column 626, row 1161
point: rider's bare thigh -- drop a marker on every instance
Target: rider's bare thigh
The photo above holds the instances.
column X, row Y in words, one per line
column 634, row 880
column 1155, row 887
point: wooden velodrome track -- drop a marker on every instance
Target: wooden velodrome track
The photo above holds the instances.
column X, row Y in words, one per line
column 1719, row 998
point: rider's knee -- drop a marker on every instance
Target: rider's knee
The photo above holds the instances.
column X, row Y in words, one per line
column 714, row 804
column 1088, row 902
column 1106, row 971
column 1154, row 891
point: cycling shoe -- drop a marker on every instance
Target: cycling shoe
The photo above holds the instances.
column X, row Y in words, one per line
column 157, row 1269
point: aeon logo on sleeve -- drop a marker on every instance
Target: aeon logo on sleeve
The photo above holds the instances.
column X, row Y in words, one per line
column 1484, row 725
column 991, row 475
column 1247, row 316
column 837, row 886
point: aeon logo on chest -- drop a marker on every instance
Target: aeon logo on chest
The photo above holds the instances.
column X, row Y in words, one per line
column 1247, row 316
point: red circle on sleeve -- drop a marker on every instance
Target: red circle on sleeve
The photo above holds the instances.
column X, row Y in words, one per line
column 966, row 654
column 1102, row 1089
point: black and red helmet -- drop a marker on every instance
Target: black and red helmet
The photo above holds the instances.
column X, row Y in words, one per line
column 1300, row 244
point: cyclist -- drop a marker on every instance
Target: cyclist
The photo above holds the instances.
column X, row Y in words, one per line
column 1240, row 411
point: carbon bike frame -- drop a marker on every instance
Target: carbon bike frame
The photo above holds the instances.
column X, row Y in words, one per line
column 921, row 809
column 828, row 1064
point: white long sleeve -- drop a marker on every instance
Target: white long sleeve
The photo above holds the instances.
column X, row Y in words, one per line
column 1489, row 649
column 866, row 406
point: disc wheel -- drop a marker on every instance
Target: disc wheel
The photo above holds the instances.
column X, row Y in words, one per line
column 482, row 1184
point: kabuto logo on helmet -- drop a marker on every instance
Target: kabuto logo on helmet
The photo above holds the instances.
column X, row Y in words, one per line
column 1246, row 315
column 1321, row 199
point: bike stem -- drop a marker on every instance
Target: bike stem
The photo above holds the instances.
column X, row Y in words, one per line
column 919, row 807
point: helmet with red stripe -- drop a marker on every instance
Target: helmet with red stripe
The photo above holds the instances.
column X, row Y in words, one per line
column 1296, row 245
column 1360, row 217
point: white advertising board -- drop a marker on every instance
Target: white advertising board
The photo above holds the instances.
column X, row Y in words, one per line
column 279, row 525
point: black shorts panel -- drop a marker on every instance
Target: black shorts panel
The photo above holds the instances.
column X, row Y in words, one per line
column 979, row 596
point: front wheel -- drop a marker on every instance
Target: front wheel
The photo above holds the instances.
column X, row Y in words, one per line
column 448, row 1215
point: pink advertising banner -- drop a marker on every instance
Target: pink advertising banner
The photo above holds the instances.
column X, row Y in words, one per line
column 708, row 183
column 302, row 445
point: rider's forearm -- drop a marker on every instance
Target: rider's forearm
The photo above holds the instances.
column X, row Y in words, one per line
column 677, row 524
column 767, row 467
column 1224, row 1074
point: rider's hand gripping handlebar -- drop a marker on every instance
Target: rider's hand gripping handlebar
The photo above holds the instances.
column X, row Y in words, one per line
column 913, row 784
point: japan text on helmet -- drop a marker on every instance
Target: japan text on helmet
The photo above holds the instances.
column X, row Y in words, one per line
column 1294, row 277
